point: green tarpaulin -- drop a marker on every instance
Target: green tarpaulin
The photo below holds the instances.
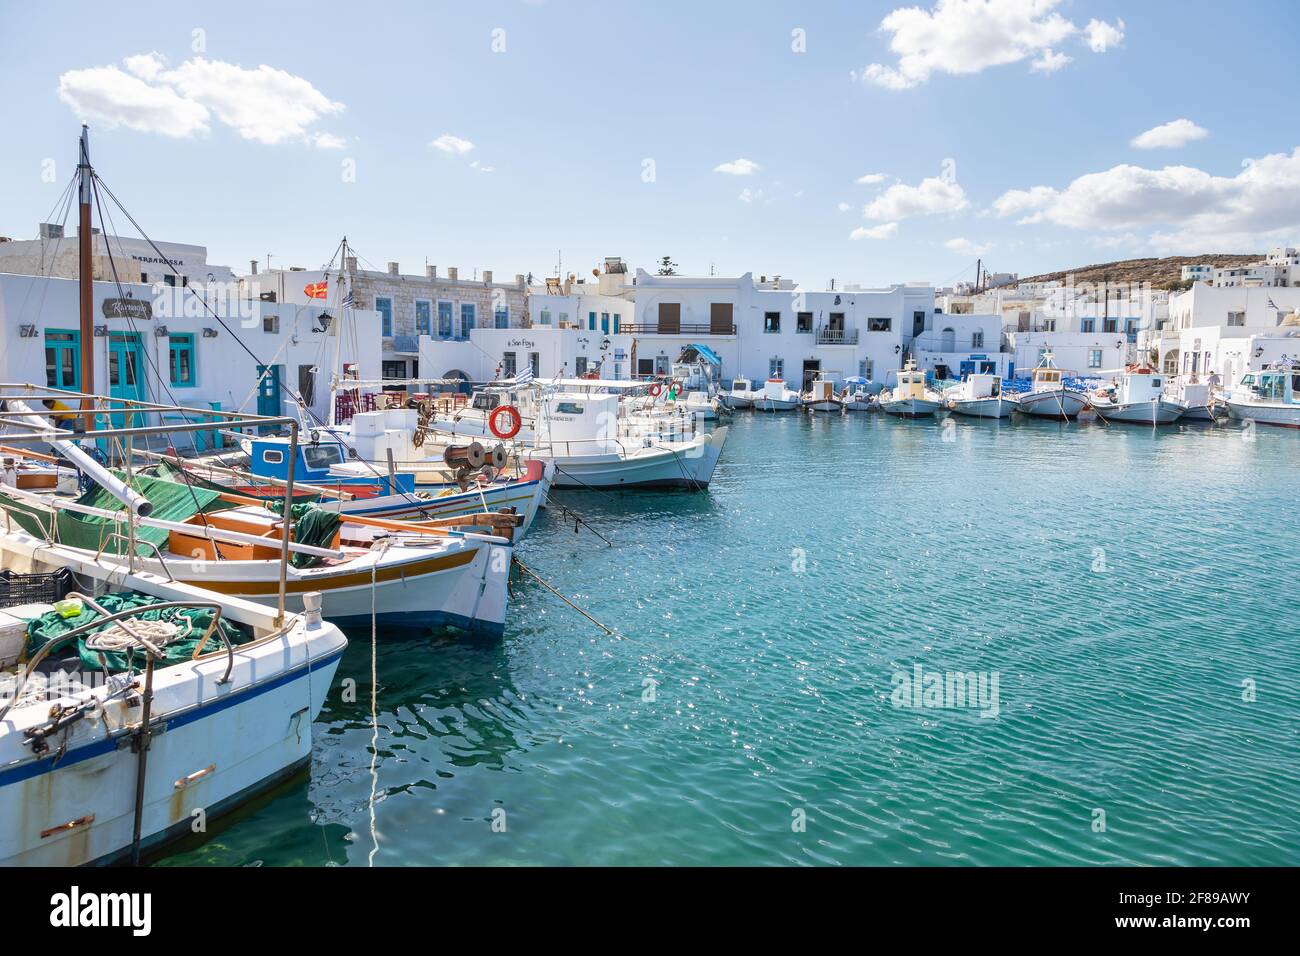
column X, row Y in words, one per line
column 193, row 624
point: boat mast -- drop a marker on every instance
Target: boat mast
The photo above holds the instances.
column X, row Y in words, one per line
column 85, row 277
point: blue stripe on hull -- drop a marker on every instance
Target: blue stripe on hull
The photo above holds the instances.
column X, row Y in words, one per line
column 35, row 768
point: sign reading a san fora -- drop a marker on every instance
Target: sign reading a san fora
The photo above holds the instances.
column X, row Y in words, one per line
column 127, row 309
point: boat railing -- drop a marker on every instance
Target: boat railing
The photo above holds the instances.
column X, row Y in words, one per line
column 124, row 539
column 152, row 652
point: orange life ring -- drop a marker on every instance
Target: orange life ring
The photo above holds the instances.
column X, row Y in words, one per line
column 516, row 421
column 656, row 390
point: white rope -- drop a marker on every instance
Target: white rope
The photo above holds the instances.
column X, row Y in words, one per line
column 378, row 551
column 118, row 638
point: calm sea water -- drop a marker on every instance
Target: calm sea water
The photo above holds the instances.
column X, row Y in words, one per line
column 1128, row 588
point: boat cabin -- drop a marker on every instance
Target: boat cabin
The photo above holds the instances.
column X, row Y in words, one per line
column 579, row 417
column 911, row 382
column 981, row 385
column 740, row 386
column 269, row 458
column 1273, row 385
column 823, row 390
column 1140, row 384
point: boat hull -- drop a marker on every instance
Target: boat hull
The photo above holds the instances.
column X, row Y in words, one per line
column 736, row 402
column 910, row 407
column 1055, row 403
column 1159, row 412
column 1280, row 416
column 1200, row 413
column 776, row 404
column 823, row 406
column 980, row 407
column 688, row 465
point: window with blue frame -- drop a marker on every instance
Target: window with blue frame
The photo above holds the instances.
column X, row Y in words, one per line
column 616, row 326
column 63, row 359
column 591, row 321
column 501, row 317
column 423, row 317
column 384, row 306
column 444, row 320
column 604, row 322
column 180, row 355
column 466, row 318
column 776, row 368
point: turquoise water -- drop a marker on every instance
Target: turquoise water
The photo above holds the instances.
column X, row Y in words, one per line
column 1123, row 584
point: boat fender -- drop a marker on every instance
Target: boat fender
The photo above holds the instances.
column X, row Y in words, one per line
column 510, row 431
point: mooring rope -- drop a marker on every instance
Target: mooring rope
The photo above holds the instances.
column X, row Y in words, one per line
column 546, row 584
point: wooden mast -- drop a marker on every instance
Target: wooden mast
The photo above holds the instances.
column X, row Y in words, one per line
column 85, row 276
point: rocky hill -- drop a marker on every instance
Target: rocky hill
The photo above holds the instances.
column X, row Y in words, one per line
column 1161, row 273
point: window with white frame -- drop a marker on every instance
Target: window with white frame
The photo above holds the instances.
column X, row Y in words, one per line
column 776, row 368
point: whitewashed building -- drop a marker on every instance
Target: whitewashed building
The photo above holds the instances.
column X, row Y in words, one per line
column 550, row 351
column 160, row 344
column 120, row 258
column 775, row 327
column 443, row 306
column 1227, row 330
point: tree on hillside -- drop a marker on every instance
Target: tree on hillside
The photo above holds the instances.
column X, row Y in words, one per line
column 667, row 267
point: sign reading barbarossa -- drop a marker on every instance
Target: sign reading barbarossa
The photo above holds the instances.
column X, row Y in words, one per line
column 127, row 309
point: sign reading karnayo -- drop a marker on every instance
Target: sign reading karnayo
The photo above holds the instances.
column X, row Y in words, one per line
column 127, row 309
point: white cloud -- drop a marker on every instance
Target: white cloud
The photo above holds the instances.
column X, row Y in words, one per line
column 263, row 104
column 328, row 141
column 929, row 197
column 1262, row 200
column 738, row 167
column 871, row 179
column 452, row 144
column 843, row 207
column 962, row 37
column 107, row 95
column 885, row 231
column 964, row 247
column 1101, row 36
column 751, row 195
column 481, row 168
column 1170, row 135
column 1049, row 61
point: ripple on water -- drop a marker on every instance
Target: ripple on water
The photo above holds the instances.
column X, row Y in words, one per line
column 1122, row 583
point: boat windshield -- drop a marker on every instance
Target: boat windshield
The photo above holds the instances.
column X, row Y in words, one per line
column 322, row 456
column 486, row 401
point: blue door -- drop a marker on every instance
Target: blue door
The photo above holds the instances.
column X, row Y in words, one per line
column 126, row 375
column 268, row 391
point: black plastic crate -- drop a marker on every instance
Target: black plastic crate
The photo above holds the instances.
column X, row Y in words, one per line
column 46, row 588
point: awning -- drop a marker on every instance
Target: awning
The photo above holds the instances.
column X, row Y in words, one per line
column 703, row 351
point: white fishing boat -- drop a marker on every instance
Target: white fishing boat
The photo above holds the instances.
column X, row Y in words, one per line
column 910, row 398
column 859, row 396
column 978, row 395
column 1048, row 397
column 776, row 396
column 579, row 433
column 1270, row 396
column 1137, row 398
column 87, row 774
column 741, row 394
column 1197, row 401
column 821, row 396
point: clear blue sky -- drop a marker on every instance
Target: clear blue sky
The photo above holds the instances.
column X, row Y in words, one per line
column 585, row 92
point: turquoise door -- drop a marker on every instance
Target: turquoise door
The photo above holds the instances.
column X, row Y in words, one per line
column 268, row 390
column 126, row 375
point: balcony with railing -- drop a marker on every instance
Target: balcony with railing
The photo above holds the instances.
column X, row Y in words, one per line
column 837, row 336
column 679, row 328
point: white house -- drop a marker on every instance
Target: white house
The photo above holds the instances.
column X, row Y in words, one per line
column 774, row 327
column 160, row 344
column 123, row 258
column 1211, row 328
column 550, row 351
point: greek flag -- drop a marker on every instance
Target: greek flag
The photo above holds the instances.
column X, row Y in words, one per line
column 1271, row 303
column 524, row 377
column 348, row 302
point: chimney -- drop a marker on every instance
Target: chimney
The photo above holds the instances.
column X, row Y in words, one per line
column 393, row 268
column 520, row 279
column 350, row 263
column 252, row 267
column 487, row 276
column 453, row 273
column 431, row 272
